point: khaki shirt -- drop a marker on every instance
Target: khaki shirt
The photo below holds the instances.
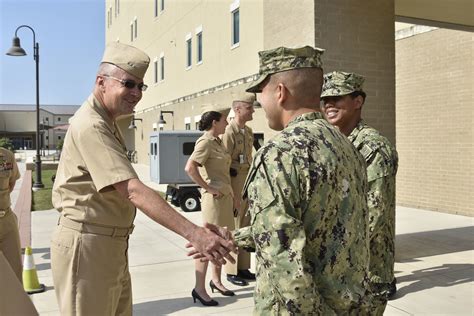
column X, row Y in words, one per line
column 211, row 154
column 8, row 173
column 92, row 160
column 237, row 144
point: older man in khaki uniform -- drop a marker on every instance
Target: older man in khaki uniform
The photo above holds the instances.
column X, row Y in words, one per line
column 97, row 190
column 9, row 235
column 238, row 139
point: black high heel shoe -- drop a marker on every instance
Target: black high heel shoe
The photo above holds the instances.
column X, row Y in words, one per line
column 195, row 296
column 225, row 293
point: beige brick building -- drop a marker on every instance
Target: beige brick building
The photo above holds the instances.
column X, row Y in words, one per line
column 18, row 123
column 205, row 51
column 435, row 119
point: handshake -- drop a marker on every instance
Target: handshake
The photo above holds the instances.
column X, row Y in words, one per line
column 212, row 243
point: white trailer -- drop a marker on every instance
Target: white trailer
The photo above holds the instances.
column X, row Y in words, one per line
column 169, row 152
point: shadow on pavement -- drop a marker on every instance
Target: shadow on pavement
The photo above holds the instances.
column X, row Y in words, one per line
column 432, row 243
column 41, row 250
column 43, row 266
column 168, row 306
column 440, row 276
column 413, row 247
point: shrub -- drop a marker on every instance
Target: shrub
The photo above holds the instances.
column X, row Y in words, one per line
column 6, row 143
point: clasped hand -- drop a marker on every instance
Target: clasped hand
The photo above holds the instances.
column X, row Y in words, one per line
column 218, row 244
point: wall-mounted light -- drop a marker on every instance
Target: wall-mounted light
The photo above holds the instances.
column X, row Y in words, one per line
column 132, row 123
column 162, row 120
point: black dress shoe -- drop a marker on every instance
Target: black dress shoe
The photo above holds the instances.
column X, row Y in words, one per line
column 236, row 280
column 392, row 289
column 225, row 293
column 246, row 274
column 195, row 296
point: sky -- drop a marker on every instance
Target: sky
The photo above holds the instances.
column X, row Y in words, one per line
column 71, row 41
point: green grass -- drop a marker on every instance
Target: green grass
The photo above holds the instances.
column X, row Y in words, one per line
column 42, row 198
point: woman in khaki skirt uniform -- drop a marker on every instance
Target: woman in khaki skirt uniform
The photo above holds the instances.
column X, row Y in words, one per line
column 208, row 167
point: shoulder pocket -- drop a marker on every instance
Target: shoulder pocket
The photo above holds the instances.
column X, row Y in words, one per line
column 259, row 190
column 367, row 152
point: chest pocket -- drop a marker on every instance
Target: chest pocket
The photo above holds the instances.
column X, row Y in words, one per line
column 5, row 175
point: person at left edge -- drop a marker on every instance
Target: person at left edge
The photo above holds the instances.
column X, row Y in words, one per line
column 9, row 234
column 97, row 192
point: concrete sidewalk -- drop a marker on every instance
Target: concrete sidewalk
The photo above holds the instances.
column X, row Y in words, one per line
column 434, row 268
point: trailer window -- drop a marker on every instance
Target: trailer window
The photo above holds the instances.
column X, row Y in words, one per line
column 188, row 148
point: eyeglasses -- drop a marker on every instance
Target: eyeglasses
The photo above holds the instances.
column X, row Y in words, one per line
column 129, row 84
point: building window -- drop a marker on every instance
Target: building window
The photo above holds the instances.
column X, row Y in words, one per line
column 189, row 50
column 199, row 47
column 156, row 8
column 162, row 66
column 117, row 7
column 162, row 5
column 59, row 137
column 155, row 63
column 47, row 137
column 187, row 126
column 135, row 22
column 46, row 118
column 131, row 32
column 235, row 27
column 59, row 119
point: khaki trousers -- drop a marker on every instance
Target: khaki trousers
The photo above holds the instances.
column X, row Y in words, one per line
column 90, row 273
column 219, row 212
column 10, row 242
column 242, row 220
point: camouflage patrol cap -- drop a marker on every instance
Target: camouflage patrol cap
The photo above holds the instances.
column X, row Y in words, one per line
column 223, row 109
column 129, row 58
column 338, row 83
column 283, row 59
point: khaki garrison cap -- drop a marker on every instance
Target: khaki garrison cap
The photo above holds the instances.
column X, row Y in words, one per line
column 245, row 97
column 129, row 58
column 283, row 59
column 338, row 83
column 223, row 109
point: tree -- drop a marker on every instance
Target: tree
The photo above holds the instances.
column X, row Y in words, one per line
column 59, row 145
column 6, row 143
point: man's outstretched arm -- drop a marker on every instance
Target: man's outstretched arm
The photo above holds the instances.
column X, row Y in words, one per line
column 213, row 247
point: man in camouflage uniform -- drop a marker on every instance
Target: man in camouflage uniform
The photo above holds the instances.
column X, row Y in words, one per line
column 306, row 190
column 343, row 98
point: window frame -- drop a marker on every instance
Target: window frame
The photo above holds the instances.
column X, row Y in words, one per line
column 189, row 51
column 235, row 36
column 199, row 45
column 155, row 68
column 162, row 67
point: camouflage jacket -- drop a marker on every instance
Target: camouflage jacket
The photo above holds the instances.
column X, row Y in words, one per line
column 382, row 163
column 306, row 191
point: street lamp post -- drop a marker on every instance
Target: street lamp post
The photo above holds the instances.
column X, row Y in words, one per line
column 16, row 50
